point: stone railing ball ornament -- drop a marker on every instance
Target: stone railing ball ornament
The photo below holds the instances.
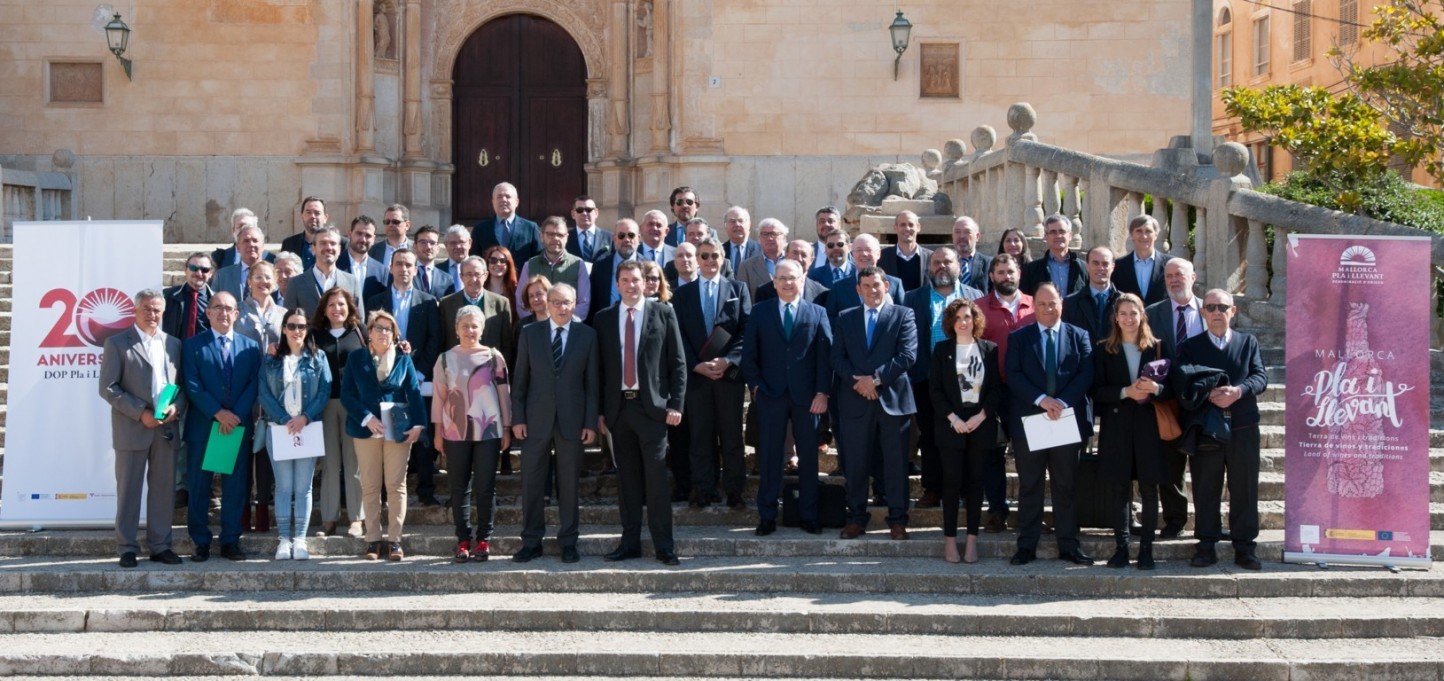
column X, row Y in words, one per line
column 1230, row 158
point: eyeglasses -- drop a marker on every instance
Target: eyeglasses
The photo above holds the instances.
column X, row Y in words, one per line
column 223, row 309
column 422, row 242
column 392, row 222
column 1217, row 307
column 383, row 329
column 583, row 210
column 685, row 202
column 709, row 256
column 296, row 327
column 561, row 303
column 198, row 268
column 652, row 278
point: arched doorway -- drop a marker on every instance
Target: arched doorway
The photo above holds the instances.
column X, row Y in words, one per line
column 519, row 115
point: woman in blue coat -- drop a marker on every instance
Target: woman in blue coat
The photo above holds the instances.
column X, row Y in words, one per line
column 295, row 384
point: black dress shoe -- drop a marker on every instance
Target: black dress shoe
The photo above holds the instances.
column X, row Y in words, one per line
column 127, row 559
column 1145, row 557
column 1023, row 557
column 1170, row 532
column 1120, row 558
column 1076, row 557
column 698, row 500
column 233, row 552
column 811, row 527
column 570, row 555
column 428, row 500
column 622, row 553
column 766, row 527
column 167, row 556
column 1204, row 556
column 735, row 502
column 201, row 554
column 1136, row 530
column 527, row 554
column 1247, row 561
column 668, row 558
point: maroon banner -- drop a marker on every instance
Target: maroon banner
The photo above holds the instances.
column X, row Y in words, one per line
column 1356, row 471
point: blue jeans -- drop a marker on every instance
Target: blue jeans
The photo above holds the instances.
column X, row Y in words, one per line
column 234, row 489
column 293, row 493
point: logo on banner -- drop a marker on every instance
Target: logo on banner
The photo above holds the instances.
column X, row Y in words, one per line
column 1357, row 265
column 95, row 317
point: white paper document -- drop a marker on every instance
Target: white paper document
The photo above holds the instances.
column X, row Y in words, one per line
column 1043, row 432
column 307, row 444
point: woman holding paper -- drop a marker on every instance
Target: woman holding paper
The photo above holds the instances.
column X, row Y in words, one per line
column 965, row 386
column 381, row 391
column 295, row 384
column 471, row 407
column 1126, row 365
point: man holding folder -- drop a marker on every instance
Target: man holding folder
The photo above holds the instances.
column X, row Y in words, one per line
column 1049, row 370
column 221, row 369
column 138, row 373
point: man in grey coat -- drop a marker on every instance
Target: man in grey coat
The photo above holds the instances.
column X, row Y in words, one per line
column 305, row 291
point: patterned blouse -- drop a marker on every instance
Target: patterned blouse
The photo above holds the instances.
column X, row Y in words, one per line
column 467, row 400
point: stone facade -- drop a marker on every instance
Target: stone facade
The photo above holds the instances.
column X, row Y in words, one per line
column 778, row 105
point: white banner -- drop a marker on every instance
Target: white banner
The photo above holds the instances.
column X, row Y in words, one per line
column 73, row 284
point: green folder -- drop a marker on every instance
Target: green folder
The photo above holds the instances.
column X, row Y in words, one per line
column 164, row 400
column 222, row 450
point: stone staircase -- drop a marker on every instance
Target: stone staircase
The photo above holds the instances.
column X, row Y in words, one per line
column 739, row 606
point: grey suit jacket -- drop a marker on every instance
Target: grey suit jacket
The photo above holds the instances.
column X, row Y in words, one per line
column 125, row 375
column 496, row 327
column 544, row 396
column 753, row 273
column 228, row 279
column 305, row 292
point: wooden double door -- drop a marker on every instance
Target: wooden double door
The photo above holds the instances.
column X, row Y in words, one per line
column 520, row 116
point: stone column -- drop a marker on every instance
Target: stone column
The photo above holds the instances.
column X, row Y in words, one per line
column 411, row 83
column 365, row 86
column 619, row 115
column 661, row 113
column 1201, row 114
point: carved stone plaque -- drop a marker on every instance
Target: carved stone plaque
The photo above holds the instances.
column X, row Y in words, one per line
column 939, row 73
column 76, row 83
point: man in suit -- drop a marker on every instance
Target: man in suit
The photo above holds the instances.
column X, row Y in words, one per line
column 419, row 323
column 520, row 236
column 906, row 260
column 644, row 378
column 758, row 269
column 357, row 260
column 685, row 205
column 786, row 360
column 137, row 364
column 843, row 294
column 1059, row 265
column 874, row 345
column 714, row 306
column 1173, row 321
column 554, row 407
column 313, row 217
column 1141, row 272
column 558, row 266
column 1091, row 307
column 1006, row 310
column 185, row 303
column 626, row 235
column 696, row 231
column 396, row 222
column 304, row 291
column 825, row 220
column 799, row 251
column 836, row 264
column 430, row 278
column 251, row 245
column 1049, row 369
column 458, row 247
column 221, row 372
column 496, row 329
column 739, row 245
column 1237, row 355
column 683, row 268
column 588, row 241
column 654, row 234
column 927, row 302
column 225, row 257
column 972, row 266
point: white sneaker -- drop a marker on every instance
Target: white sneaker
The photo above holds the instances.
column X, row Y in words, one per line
column 298, row 550
column 356, row 530
column 283, row 550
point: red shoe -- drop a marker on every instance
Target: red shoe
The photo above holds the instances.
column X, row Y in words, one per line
column 481, row 551
column 462, row 554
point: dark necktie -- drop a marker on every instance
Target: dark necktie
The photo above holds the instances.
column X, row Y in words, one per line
column 836, row 274
column 586, row 248
column 557, row 349
column 505, row 234
column 426, row 279
column 787, row 322
column 629, row 351
column 227, row 366
column 192, row 313
column 1101, row 299
column 965, row 269
column 709, row 305
column 1180, row 329
column 1050, row 362
column 871, row 326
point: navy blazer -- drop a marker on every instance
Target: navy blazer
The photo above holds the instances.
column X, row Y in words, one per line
column 601, row 244
column 734, row 306
column 798, row 369
column 822, row 274
column 362, row 394
column 978, row 266
column 440, row 281
column 1243, row 363
column 423, row 328
column 920, row 300
column 811, row 291
column 1027, row 379
column 844, row 295
column 375, row 277
column 1125, row 277
column 1036, row 272
column 750, row 248
column 893, row 351
column 225, row 256
column 206, row 386
column 1081, row 310
column 525, row 238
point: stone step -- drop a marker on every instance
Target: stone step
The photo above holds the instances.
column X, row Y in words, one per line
column 903, row 614
column 712, row 654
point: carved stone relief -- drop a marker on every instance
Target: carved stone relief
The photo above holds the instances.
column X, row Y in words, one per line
column 644, row 29
column 939, row 72
column 385, row 29
column 76, row 83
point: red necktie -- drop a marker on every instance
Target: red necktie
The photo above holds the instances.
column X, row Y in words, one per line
column 629, row 352
column 191, row 313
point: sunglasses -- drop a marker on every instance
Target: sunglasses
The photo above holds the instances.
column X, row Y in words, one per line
column 709, row 256
column 653, row 279
column 1217, row 307
column 624, row 235
column 685, row 202
column 198, row 268
column 497, row 261
column 392, row 222
column 583, row 211
column 296, row 327
column 837, row 244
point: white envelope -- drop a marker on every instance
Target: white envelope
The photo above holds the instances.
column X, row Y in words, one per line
column 307, row 444
column 1043, row 432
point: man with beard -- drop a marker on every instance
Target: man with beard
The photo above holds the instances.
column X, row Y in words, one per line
column 685, row 207
column 1006, row 309
column 625, row 237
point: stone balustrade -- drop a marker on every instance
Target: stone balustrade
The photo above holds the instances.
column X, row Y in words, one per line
column 1214, row 219
column 33, row 195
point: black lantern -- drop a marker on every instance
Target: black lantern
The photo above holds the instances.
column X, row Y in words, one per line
column 117, row 35
column 901, row 30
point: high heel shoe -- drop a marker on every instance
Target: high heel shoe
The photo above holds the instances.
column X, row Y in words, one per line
column 950, row 550
column 970, row 550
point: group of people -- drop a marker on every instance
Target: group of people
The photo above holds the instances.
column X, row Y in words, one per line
column 651, row 339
